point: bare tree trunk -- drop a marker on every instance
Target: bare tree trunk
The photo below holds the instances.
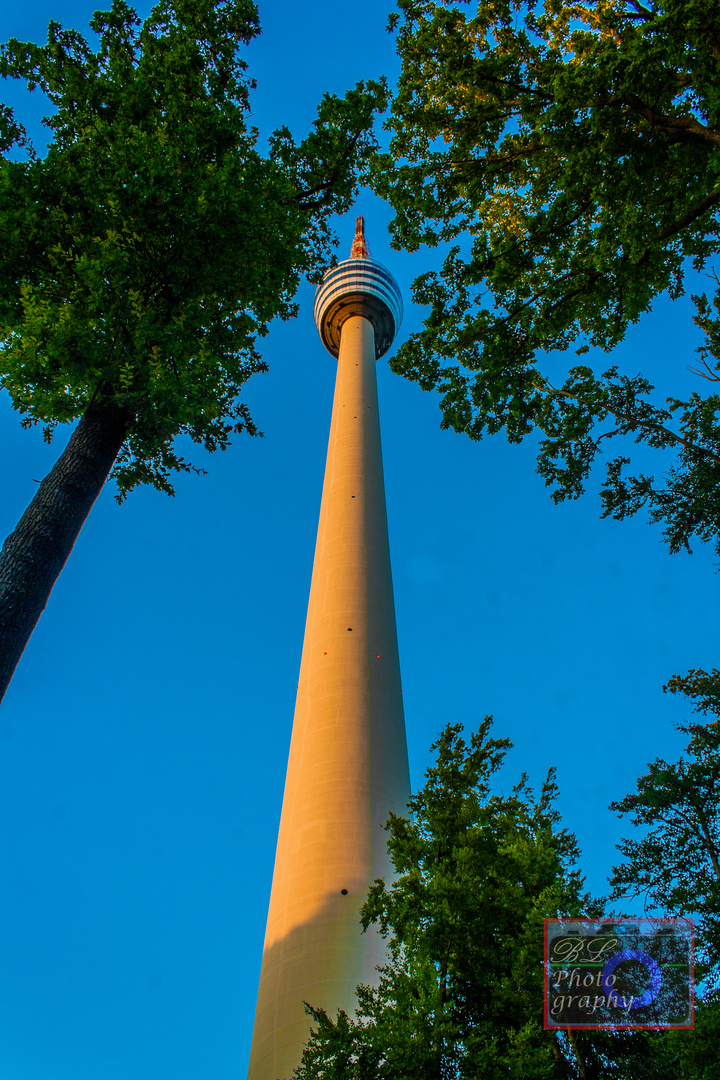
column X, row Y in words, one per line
column 33, row 556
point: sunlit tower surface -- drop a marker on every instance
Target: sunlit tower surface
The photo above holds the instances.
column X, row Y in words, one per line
column 348, row 766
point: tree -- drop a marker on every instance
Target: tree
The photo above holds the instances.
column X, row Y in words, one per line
column 144, row 255
column 461, row 996
column 675, row 865
column 574, row 149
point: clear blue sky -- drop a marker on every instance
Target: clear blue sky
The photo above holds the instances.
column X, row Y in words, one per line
column 145, row 735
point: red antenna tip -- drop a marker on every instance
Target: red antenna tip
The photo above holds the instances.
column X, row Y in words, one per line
column 359, row 249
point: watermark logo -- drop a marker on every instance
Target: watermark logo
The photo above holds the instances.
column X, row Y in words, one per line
column 618, row 973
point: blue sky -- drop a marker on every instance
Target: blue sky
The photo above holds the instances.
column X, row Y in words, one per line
column 145, row 735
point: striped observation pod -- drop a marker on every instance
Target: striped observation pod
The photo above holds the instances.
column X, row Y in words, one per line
column 358, row 286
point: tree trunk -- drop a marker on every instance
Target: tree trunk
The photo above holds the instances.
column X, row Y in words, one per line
column 582, row 1071
column 33, row 556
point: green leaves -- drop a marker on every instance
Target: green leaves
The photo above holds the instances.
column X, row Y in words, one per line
column 573, row 148
column 477, row 872
column 676, row 864
column 145, row 254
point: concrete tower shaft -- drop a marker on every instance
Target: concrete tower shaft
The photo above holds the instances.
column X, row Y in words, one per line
column 348, row 766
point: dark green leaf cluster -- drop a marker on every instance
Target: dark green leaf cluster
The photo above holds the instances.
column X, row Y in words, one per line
column 689, row 1055
column 574, row 150
column 675, row 865
column 461, row 995
column 143, row 256
column 477, row 872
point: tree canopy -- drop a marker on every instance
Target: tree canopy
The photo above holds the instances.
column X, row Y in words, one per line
column 144, row 255
column 477, row 872
column 569, row 152
column 461, row 994
column 674, row 861
column 146, row 252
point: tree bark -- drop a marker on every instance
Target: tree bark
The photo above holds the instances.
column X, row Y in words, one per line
column 35, row 553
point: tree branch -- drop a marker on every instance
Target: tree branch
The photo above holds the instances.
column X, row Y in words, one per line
column 687, row 128
column 709, row 843
column 628, row 425
column 692, row 215
column 642, row 11
column 314, row 204
column 517, row 86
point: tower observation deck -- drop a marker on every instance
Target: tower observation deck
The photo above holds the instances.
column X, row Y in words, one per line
column 358, row 286
column 347, row 768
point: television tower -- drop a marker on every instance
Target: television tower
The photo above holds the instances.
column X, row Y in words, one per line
column 348, row 765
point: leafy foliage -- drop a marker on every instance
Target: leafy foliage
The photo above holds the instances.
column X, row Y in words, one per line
column 574, row 149
column 144, row 255
column 675, row 865
column 477, row 872
column 689, row 1055
column 461, row 994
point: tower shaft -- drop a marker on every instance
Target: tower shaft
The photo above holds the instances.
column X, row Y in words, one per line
column 348, row 766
